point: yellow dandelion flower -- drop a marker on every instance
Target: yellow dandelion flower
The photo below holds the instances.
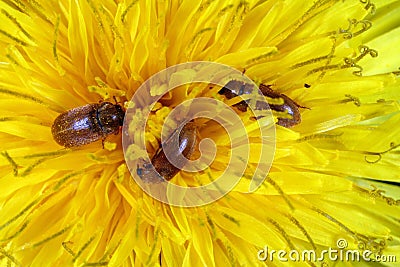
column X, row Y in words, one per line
column 333, row 183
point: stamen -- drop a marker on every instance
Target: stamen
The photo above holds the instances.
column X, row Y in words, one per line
column 11, row 161
column 374, row 244
column 310, row 61
column 232, row 219
column 31, row 167
column 13, row 219
column 108, row 254
column 104, row 90
column 216, row 185
column 195, row 39
column 14, row 20
column 60, row 70
column 153, row 246
column 341, row 225
column 241, row 9
column 348, row 63
column 18, row 232
column 65, row 179
column 18, row 6
column 62, row 231
column 206, row 4
column 359, row 71
column 48, row 154
column 111, row 23
column 138, row 217
column 324, row 68
column 96, row 158
column 259, row 59
column 212, row 225
column 15, row 39
column 351, row 62
column 100, row 91
column 100, row 263
column 12, row 59
column 121, row 173
column 39, row 10
column 99, row 21
column 353, row 99
column 303, row 230
column 365, row 50
column 125, row 12
column 280, row 191
column 67, row 248
column 353, row 23
column 318, row 7
column 10, row 257
column 318, row 136
column 224, row 10
column 110, row 146
column 82, row 249
column 364, row 242
column 369, row 5
column 379, row 154
column 227, row 245
column 239, row 14
column 199, row 182
column 329, row 59
column 20, row 95
column 283, row 233
column 378, row 193
column 397, row 72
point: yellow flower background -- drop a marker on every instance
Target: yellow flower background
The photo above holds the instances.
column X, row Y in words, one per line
column 335, row 175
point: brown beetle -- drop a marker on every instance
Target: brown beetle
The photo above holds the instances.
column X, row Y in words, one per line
column 163, row 168
column 235, row 88
column 288, row 106
column 86, row 124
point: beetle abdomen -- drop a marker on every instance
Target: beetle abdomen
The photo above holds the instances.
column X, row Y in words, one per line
column 77, row 127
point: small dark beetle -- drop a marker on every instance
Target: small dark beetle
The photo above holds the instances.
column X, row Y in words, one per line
column 235, row 88
column 288, row 106
column 83, row 125
column 187, row 136
column 187, row 143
